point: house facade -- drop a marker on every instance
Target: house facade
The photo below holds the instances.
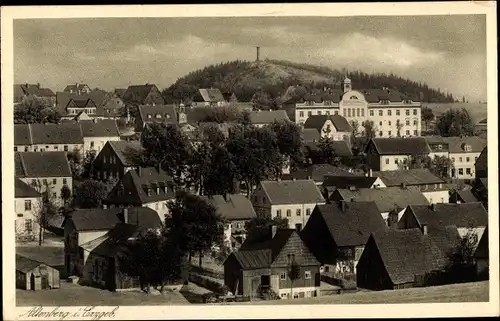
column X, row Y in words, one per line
column 147, row 94
column 293, row 200
column 33, row 275
column 388, row 154
column 26, row 205
column 96, row 133
column 464, row 152
column 438, row 146
column 115, row 159
column 66, row 137
column 280, row 261
column 78, row 89
column 261, row 118
column 334, row 127
column 28, row 92
column 162, row 114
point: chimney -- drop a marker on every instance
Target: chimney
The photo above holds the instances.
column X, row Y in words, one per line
column 274, row 229
column 258, row 53
column 370, row 173
column 403, row 185
column 125, row 215
column 424, row 229
column 433, row 207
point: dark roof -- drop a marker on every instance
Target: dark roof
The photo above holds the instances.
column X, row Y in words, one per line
column 236, row 207
column 377, row 94
column 41, row 164
column 344, row 182
column 310, row 135
column 466, row 196
column 75, row 87
column 419, row 176
column 333, row 95
column 23, row 190
column 117, row 238
column 96, row 97
column 134, row 185
column 211, row 94
column 317, row 172
column 32, row 89
column 99, row 219
column 444, row 214
column 137, row 94
column 317, row 121
column 386, row 198
column 340, row 147
column 65, row 133
column 445, row 238
column 482, row 160
column 484, row 181
column 340, row 123
column 457, row 144
column 407, row 253
column 352, row 225
column 292, row 192
column 126, row 151
column 253, row 259
column 435, row 140
column 120, row 92
column 482, row 249
column 159, row 114
column 99, row 128
column 267, row 116
column 400, row 146
column 25, row 265
column 22, row 134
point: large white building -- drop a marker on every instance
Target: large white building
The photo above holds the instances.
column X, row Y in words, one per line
column 393, row 113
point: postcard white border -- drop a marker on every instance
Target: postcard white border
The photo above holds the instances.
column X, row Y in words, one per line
column 260, row 311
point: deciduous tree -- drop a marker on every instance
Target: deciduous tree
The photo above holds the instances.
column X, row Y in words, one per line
column 90, row 193
column 327, row 147
column 32, row 111
column 427, row 116
column 455, row 122
column 369, row 128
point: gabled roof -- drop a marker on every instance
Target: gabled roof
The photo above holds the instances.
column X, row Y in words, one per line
column 353, row 224
column 32, row 89
column 317, row 172
column 236, row 207
column 158, row 114
column 22, row 135
column 267, row 116
column 25, row 264
column 377, row 94
column 41, row 164
column 137, row 94
column 126, row 151
column 419, row 176
column 340, row 147
column 407, row 253
column 134, row 186
column 292, row 192
column 75, row 87
column 482, row 160
column 466, row 196
column 317, row 121
column 120, row 92
column 435, row 140
column 334, row 95
column 212, row 95
column 341, row 123
column 23, row 190
column 310, row 135
column 99, row 128
column 482, row 249
column 64, row 133
column 386, row 198
column 443, row 214
column 99, row 219
column 97, row 97
column 400, row 146
column 344, row 182
column 457, row 144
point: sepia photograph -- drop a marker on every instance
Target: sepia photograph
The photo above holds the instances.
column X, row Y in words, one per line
column 224, row 158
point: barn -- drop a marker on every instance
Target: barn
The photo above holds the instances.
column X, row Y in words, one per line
column 34, row 275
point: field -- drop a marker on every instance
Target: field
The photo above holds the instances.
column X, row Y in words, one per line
column 466, row 292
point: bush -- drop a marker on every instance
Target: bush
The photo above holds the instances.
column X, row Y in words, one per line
column 209, row 283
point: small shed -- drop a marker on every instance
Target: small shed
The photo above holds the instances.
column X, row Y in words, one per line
column 34, row 275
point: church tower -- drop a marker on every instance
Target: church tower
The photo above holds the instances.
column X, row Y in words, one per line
column 347, row 85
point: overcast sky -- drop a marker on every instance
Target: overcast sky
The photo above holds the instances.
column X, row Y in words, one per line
column 445, row 51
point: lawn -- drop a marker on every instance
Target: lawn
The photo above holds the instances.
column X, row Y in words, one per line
column 466, row 292
column 73, row 294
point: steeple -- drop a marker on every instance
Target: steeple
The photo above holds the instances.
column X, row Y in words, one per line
column 347, row 85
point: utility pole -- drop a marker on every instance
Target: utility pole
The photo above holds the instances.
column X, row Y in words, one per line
column 258, row 53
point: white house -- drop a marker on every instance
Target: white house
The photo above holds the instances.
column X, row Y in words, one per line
column 463, row 152
column 387, row 154
column 27, row 204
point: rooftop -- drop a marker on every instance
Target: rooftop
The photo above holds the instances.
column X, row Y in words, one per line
column 292, row 192
column 400, row 146
column 41, row 164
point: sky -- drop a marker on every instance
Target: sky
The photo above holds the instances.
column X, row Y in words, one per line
column 446, row 52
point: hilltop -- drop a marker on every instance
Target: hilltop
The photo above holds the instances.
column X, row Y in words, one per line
column 273, row 78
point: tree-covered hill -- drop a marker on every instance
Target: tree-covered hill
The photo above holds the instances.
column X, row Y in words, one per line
column 273, row 78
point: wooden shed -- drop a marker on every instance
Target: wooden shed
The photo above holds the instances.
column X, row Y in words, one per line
column 34, row 275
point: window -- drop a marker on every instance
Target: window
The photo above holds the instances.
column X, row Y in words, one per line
column 467, row 148
column 380, row 133
column 15, row 148
column 415, row 123
column 44, row 181
column 283, row 276
column 348, row 112
column 387, row 161
column 278, row 213
column 26, row 148
column 336, row 112
column 396, row 161
column 27, row 205
column 91, row 144
column 158, row 116
column 319, row 112
column 407, row 112
column 308, row 211
column 263, row 200
column 328, row 112
column 54, row 181
column 362, row 112
column 380, row 123
column 28, row 225
column 357, row 112
column 407, row 133
column 288, row 213
column 460, row 159
column 415, row 133
column 54, row 195
column 65, row 148
column 307, row 275
column 453, row 159
column 327, row 268
column 104, row 159
column 468, row 171
column 371, row 112
column 298, row 212
column 460, row 171
column 407, row 123
column 149, row 116
column 389, row 123
column 33, row 182
column 55, row 148
column 397, row 112
column 467, row 159
column 156, row 206
column 415, row 112
column 389, row 112
column 381, row 113
column 309, row 113
column 301, row 114
column 344, row 112
column 389, row 133
column 475, row 159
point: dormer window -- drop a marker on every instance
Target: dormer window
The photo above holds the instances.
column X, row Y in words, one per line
column 467, row 148
column 440, row 146
column 149, row 116
column 158, row 116
column 353, row 98
column 167, row 116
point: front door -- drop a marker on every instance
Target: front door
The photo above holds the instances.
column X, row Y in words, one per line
column 32, row 282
